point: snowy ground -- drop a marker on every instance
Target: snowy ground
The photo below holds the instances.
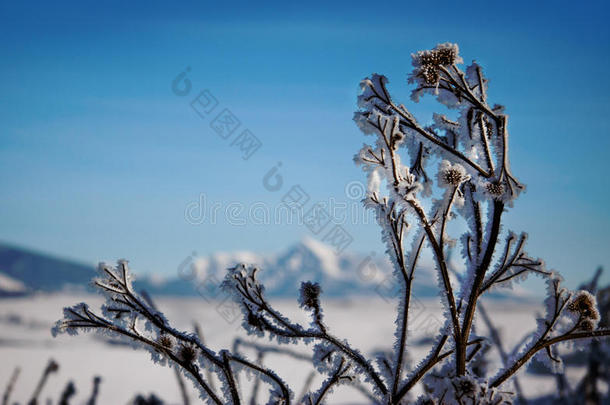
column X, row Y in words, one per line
column 25, row 341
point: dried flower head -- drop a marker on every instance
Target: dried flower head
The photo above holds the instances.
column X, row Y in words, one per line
column 310, row 295
column 447, row 54
column 496, row 189
column 429, row 73
column 52, row 366
column 429, row 62
column 451, row 175
column 187, row 353
column 442, row 55
column 585, row 305
column 397, row 137
column 165, row 341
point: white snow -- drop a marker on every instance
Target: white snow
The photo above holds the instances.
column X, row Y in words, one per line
column 8, row 284
column 25, row 341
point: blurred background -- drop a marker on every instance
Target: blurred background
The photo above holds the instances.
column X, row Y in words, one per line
column 172, row 134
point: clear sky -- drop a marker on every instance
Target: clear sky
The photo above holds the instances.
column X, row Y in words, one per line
column 99, row 159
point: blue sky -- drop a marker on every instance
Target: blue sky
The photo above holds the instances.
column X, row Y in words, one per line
column 99, row 158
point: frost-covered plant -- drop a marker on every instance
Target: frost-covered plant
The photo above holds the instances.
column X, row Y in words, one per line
column 67, row 393
column 143, row 400
column 97, row 380
column 469, row 153
column 596, row 357
column 51, row 368
column 130, row 316
column 10, row 386
column 457, row 167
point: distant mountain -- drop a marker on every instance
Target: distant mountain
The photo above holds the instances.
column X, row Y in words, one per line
column 282, row 274
column 23, row 271
column 41, row 272
column 348, row 274
column 9, row 287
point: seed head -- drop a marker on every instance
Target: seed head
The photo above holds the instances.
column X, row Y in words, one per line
column 442, row 55
column 166, row 341
column 446, row 55
column 310, row 295
column 428, row 63
column 452, row 176
column 584, row 304
column 187, row 353
column 52, row 366
column 429, row 73
column 495, row 189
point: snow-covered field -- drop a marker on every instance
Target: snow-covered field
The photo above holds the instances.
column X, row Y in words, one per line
column 25, row 341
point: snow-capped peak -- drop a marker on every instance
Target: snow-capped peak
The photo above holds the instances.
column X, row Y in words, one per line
column 311, row 255
column 10, row 285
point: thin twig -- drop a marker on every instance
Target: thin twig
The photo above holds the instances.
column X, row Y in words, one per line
column 10, row 386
